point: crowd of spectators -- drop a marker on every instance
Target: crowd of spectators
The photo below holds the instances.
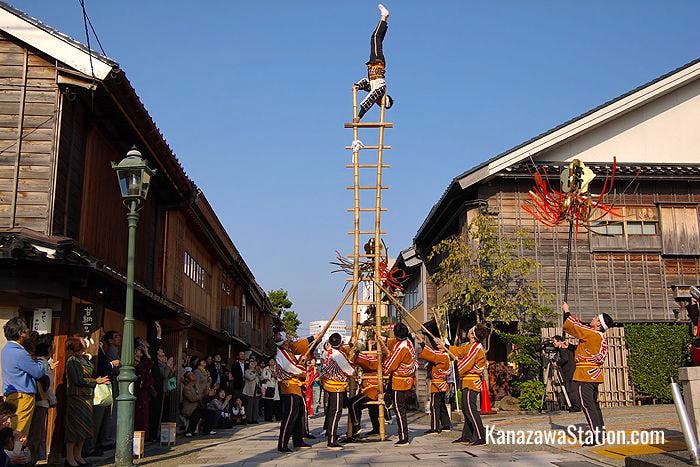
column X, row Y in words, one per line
column 204, row 395
column 217, row 394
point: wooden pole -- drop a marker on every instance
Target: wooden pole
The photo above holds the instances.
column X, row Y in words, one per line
column 356, row 238
column 377, row 259
column 330, row 321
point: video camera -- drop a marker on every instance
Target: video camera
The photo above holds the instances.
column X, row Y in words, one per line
column 548, row 349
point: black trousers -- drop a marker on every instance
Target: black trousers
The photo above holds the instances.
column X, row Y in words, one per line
column 376, row 54
column 572, row 392
column 333, row 414
column 356, row 405
column 400, row 401
column 439, row 417
column 473, row 429
column 588, row 393
column 291, row 426
column 207, row 416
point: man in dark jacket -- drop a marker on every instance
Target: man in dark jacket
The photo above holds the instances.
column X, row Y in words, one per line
column 567, row 363
column 102, row 415
column 238, row 369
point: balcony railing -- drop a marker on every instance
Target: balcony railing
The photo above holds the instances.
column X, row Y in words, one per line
column 230, row 317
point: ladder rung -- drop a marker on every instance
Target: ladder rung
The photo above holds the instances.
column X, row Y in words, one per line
column 360, row 256
column 367, row 166
column 366, row 232
column 367, row 187
column 370, row 147
column 367, row 209
column 369, row 125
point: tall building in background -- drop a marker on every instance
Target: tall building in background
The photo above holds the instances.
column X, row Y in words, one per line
column 336, row 326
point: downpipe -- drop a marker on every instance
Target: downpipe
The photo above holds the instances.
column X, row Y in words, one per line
column 691, row 440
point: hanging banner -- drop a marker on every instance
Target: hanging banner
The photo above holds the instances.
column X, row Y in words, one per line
column 87, row 318
column 41, row 321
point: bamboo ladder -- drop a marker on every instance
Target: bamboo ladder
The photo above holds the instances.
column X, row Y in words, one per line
column 376, row 233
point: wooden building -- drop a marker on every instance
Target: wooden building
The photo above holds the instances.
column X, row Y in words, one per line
column 65, row 115
column 632, row 270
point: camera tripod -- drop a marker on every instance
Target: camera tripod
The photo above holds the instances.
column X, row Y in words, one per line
column 552, row 373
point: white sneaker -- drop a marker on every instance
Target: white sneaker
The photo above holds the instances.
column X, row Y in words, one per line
column 188, row 435
column 383, row 11
column 212, row 432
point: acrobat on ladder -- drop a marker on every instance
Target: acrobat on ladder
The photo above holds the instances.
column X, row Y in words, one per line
column 375, row 84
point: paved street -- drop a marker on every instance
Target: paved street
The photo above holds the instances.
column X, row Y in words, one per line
column 256, row 445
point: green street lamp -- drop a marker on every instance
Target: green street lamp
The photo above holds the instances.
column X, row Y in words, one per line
column 134, row 179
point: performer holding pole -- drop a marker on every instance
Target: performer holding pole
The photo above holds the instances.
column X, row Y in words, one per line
column 291, row 373
column 439, row 416
column 375, row 84
column 401, row 365
column 471, row 363
column 369, row 392
column 590, row 355
column 334, row 378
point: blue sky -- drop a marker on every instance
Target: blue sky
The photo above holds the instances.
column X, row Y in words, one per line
column 252, row 96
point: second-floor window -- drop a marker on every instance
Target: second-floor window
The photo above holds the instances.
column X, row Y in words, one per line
column 195, row 271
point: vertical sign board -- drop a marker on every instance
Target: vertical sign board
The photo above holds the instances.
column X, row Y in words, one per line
column 41, row 321
column 87, row 318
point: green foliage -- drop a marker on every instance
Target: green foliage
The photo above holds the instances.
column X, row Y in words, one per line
column 291, row 323
column 488, row 277
column 526, row 358
column 279, row 300
column 656, row 353
column 531, row 394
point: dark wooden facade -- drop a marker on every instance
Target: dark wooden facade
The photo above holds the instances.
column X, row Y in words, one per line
column 63, row 232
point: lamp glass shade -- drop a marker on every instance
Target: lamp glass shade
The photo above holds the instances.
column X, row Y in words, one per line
column 134, row 176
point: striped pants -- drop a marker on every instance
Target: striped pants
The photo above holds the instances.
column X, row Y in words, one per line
column 400, row 398
column 439, row 417
column 355, row 407
column 291, row 426
column 334, row 411
column 473, row 429
column 588, row 393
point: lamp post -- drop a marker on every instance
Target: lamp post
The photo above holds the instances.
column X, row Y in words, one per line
column 134, row 179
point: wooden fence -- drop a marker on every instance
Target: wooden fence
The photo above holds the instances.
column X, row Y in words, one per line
column 616, row 390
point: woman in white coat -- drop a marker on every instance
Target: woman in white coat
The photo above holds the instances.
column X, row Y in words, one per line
column 251, row 391
column 270, row 391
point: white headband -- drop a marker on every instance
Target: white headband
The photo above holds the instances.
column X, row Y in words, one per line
column 602, row 322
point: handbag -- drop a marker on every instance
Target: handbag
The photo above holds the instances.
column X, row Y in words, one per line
column 269, row 392
column 103, row 395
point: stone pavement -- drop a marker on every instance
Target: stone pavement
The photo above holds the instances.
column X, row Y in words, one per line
column 257, row 444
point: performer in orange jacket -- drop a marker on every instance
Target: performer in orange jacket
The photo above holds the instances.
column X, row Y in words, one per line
column 590, row 355
column 471, row 363
column 369, row 392
column 440, row 371
column 334, row 378
column 401, row 365
column 291, row 374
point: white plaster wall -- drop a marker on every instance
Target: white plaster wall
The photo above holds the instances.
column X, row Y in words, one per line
column 666, row 130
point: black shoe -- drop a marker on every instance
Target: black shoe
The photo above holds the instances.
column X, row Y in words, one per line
column 334, row 446
column 309, row 436
column 431, row 432
column 373, row 432
column 461, row 440
column 303, row 446
column 348, row 439
column 401, row 443
column 284, row 449
column 479, row 442
column 446, row 428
